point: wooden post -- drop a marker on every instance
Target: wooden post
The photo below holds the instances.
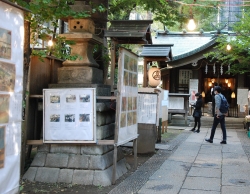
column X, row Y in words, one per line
column 114, row 164
column 112, row 72
column 135, row 153
column 145, row 74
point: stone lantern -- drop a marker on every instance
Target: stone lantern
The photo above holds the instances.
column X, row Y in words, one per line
column 84, row 69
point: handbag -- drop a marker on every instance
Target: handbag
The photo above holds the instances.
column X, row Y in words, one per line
column 196, row 113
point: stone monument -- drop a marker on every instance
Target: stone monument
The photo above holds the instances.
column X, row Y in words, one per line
column 81, row 164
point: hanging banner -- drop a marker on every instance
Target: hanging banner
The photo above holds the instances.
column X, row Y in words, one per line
column 11, row 91
column 193, row 89
column 126, row 114
column 69, row 115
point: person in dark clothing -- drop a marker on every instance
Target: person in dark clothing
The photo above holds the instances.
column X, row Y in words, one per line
column 213, row 100
column 218, row 118
column 197, row 112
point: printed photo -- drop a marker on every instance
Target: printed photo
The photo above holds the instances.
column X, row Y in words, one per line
column 134, row 103
column 70, row 98
column 130, row 79
column 84, row 98
column 7, row 77
column 4, row 108
column 123, row 120
column 5, row 44
column 130, row 103
column 84, row 117
column 126, row 78
column 135, row 65
column 134, row 117
column 55, row 99
column 124, row 103
column 55, row 118
column 130, row 118
column 126, row 61
column 134, row 80
column 2, row 146
column 69, row 118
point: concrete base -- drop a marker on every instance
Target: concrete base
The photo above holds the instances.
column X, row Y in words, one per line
column 147, row 137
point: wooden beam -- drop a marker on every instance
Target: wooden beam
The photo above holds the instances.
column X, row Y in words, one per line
column 34, row 142
column 105, row 142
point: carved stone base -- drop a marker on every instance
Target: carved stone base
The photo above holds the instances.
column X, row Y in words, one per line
column 78, row 75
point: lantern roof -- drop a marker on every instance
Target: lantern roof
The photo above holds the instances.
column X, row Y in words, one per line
column 130, row 31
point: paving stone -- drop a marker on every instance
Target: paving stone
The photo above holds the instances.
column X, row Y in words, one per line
column 30, row 174
column 202, row 183
column 193, row 191
column 39, row 159
column 78, row 161
column 57, row 160
column 48, row 175
column 67, row 149
column 65, row 176
column 235, row 189
column 205, row 172
column 83, row 177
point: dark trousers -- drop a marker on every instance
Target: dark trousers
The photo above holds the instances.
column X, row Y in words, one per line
column 197, row 120
column 220, row 120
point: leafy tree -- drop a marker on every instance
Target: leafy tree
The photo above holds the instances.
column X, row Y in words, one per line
column 239, row 55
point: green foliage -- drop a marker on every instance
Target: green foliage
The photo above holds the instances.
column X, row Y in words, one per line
column 49, row 12
column 239, row 55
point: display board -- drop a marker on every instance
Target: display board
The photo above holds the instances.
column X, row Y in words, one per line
column 242, row 98
column 165, row 105
column 176, row 102
column 69, row 115
column 193, row 89
column 126, row 114
column 147, row 108
column 11, row 91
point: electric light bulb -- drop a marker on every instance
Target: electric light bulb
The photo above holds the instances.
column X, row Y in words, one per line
column 50, row 43
column 191, row 24
column 229, row 47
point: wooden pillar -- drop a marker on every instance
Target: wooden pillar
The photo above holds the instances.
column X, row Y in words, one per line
column 145, row 74
column 112, row 71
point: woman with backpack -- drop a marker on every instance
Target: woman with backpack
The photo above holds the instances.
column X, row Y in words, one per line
column 197, row 112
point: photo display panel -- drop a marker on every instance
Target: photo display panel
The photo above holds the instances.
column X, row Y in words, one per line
column 70, row 115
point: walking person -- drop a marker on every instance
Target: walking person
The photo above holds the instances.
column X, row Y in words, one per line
column 213, row 100
column 197, row 112
column 218, row 117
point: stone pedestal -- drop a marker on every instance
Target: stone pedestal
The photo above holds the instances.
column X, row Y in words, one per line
column 81, row 164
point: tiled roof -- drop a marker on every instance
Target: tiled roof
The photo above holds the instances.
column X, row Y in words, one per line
column 185, row 44
column 130, row 31
column 156, row 51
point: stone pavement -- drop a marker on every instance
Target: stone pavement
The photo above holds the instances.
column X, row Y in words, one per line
column 195, row 166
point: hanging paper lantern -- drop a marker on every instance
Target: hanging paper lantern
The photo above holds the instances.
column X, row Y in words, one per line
column 154, row 76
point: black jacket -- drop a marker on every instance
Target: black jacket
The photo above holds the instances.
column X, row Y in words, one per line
column 198, row 104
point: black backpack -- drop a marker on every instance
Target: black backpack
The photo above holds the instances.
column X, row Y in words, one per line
column 224, row 106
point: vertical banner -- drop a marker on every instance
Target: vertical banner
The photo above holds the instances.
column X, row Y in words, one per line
column 69, row 115
column 11, row 90
column 126, row 114
column 193, row 89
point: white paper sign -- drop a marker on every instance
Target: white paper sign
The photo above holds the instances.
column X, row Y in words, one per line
column 147, row 106
column 69, row 115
